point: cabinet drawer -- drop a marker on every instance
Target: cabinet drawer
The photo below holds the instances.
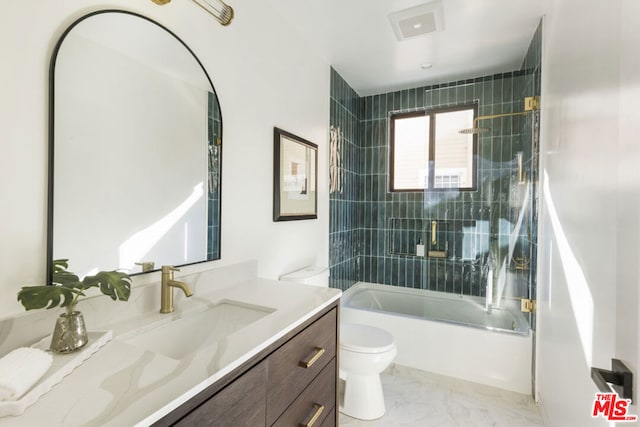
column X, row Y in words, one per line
column 287, row 376
column 330, row 421
column 241, row 403
column 315, row 403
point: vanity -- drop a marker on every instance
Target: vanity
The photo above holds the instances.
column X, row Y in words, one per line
column 291, row 382
column 279, row 369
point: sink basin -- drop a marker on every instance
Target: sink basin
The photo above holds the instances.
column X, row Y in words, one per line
column 181, row 337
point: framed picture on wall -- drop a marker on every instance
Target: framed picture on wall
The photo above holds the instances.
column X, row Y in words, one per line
column 295, row 177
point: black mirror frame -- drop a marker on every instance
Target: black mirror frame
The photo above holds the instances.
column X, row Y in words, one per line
column 51, row 118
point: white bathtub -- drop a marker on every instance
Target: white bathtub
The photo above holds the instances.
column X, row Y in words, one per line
column 448, row 334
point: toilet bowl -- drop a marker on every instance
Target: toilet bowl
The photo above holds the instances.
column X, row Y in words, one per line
column 365, row 351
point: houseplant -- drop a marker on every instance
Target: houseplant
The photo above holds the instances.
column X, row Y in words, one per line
column 70, row 333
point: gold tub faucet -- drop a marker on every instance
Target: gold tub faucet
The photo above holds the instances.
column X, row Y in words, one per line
column 166, row 293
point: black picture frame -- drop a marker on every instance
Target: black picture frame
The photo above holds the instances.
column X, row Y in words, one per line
column 295, row 177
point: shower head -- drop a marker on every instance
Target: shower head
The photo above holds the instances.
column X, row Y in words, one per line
column 478, row 130
column 530, row 104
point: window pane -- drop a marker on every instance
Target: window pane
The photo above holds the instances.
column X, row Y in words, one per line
column 453, row 150
column 411, row 153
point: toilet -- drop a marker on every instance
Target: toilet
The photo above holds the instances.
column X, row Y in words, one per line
column 365, row 351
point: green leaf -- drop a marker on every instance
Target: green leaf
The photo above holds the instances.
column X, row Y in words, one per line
column 67, row 287
column 33, row 297
column 115, row 284
column 59, row 265
column 66, row 279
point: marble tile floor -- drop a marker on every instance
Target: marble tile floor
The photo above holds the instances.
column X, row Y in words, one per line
column 422, row 399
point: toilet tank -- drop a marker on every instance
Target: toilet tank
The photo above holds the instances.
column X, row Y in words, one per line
column 316, row 276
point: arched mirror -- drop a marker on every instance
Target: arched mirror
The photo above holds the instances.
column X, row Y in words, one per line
column 135, row 148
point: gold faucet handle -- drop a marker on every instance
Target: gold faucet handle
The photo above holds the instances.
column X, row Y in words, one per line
column 146, row 265
column 168, row 269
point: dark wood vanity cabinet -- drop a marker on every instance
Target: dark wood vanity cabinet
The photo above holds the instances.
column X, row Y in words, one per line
column 291, row 383
column 241, row 403
column 299, row 365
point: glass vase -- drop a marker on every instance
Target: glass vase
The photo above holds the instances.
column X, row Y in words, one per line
column 70, row 333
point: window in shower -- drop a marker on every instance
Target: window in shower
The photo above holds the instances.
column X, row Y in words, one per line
column 429, row 152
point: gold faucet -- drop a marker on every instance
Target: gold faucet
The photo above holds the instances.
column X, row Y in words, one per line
column 166, row 293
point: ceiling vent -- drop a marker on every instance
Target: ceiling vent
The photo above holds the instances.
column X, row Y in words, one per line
column 418, row 20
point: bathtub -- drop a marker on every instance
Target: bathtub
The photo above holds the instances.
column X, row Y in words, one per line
column 448, row 334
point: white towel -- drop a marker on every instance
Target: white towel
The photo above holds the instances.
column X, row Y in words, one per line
column 21, row 369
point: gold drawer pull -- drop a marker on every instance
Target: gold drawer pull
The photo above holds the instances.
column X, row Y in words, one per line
column 317, row 410
column 317, row 352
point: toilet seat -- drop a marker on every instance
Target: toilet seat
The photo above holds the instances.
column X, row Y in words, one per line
column 365, row 339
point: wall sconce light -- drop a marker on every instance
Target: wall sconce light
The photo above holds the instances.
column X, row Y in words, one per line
column 217, row 8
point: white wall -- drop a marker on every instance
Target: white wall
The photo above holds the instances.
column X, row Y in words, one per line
column 264, row 76
column 628, row 195
column 589, row 252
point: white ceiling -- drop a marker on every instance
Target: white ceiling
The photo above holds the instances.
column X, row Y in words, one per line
column 480, row 37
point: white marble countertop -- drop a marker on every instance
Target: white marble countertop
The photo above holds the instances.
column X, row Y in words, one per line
column 124, row 385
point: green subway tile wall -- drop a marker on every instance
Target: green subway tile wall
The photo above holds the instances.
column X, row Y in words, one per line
column 344, row 255
column 374, row 233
